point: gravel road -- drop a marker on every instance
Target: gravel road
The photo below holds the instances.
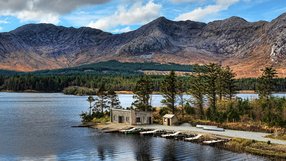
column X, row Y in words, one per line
column 259, row 136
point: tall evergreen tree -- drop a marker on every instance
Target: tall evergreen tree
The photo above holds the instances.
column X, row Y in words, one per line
column 265, row 87
column 142, row 94
column 266, row 82
column 169, row 89
column 228, row 83
column 90, row 100
column 211, row 80
column 182, row 89
column 197, row 91
column 113, row 99
column 101, row 101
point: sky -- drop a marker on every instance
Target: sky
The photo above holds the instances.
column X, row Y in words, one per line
column 119, row 16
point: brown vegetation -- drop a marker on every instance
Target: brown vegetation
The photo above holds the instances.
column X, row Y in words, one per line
column 258, row 148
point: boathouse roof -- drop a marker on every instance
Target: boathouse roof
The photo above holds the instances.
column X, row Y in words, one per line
column 169, row 116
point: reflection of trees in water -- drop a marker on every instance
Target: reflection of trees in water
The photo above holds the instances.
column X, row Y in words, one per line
column 202, row 153
column 101, row 152
column 169, row 152
column 142, row 148
column 147, row 148
column 105, row 146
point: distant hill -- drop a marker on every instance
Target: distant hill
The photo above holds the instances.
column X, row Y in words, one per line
column 244, row 46
column 8, row 72
column 111, row 67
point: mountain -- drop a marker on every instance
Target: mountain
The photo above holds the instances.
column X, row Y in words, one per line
column 245, row 46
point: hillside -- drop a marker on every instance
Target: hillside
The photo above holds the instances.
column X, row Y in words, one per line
column 111, row 67
column 244, row 46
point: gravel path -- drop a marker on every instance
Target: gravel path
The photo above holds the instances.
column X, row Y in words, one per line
column 259, row 136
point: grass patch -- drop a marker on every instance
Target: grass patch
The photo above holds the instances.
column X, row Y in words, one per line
column 279, row 137
column 101, row 120
column 257, row 148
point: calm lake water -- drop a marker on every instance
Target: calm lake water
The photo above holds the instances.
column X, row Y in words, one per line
column 37, row 126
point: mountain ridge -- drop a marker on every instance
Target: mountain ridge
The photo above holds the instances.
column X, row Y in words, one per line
column 244, row 46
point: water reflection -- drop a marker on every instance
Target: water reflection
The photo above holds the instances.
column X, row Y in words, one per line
column 169, row 151
column 144, row 150
column 41, row 130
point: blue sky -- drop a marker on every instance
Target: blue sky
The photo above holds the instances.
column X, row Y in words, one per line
column 124, row 15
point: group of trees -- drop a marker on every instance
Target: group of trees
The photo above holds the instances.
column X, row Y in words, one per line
column 210, row 84
column 217, row 84
column 213, row 90
column 119, row 82
column 101, row 104
column 57, row 83
column 142, row 94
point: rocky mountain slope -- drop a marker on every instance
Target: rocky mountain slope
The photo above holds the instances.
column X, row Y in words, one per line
column 244, row 46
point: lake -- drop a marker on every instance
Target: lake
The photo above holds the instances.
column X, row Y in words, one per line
column 37, row 126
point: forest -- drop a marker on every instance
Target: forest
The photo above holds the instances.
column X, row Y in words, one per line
column 115, row 75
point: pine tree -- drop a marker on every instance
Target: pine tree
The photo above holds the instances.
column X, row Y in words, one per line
column 211, row 88
column 228, row 83
column 266, row 82
column 197, row 91
column 113, row 100
column 90, row 100
column 265, row 87
column 182, row 89
column 101, row 101
column 142, row 94
column 169, row 89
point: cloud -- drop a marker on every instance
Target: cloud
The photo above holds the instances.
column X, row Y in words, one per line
column 122, row 30
column 4, row 21
column 137, row 13
column 184, row 1
column 199, row 14
column 42, row 10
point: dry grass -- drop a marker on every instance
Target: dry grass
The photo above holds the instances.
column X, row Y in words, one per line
column 243, row 126
column 257, row 148
column 279, row 137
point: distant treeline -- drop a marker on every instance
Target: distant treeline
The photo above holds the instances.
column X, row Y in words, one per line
column 114, row 74
column 109, row 67
column 251, row 84
column 56, row 83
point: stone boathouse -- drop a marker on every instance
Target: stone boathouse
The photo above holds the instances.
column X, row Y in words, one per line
column 132, row 117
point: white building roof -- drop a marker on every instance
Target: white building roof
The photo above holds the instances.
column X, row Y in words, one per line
column 169, row 116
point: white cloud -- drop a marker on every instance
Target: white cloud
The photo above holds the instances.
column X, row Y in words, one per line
column 4, row 21
column 199, row 14
column 45, row 11
column 122, row 30
column 137, row 13
column 38, row 16
column 184, row 1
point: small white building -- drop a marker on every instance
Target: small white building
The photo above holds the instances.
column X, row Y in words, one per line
column 132, row 117
column 170, row 119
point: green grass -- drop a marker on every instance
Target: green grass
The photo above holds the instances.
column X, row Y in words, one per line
column 102, row 120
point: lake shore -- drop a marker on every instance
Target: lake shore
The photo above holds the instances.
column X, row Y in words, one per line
column 117, row 92
column 239, row 141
